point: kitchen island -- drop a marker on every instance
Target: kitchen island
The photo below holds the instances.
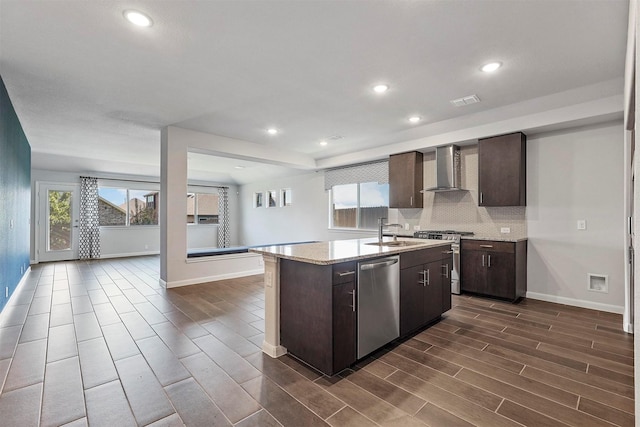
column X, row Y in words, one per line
column 310, row 294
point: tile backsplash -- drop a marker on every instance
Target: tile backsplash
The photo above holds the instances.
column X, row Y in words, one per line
column 459, row 210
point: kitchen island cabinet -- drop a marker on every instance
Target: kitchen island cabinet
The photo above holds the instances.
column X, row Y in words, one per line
column 425, row 287
column 502, row 170
column 318, row 319
column 494, row 268
column 311, row 291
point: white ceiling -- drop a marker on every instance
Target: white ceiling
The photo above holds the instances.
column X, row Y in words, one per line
column 92, row 91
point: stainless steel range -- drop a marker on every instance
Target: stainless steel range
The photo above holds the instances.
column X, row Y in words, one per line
column 454, row 237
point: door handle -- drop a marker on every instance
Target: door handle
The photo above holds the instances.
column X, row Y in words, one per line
column 373, row 265
column 489, row 260
column 483, row 260
column 486, row 246
column 353, row 300
column 446, row 271
column 346, row 273
column 411, row 201
column 424, row 278
column 428, row 277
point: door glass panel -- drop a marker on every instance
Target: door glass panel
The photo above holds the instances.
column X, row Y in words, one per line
column 59, row 237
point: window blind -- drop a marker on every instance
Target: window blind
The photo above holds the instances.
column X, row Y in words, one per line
column 355, row 174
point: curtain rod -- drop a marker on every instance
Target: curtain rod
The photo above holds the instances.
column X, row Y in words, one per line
column 156, row 182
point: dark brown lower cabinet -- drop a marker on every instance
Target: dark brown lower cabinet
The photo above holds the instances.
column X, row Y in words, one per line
column 318, row 321
column 317, row 318
column 494, row 268
column 425, row 288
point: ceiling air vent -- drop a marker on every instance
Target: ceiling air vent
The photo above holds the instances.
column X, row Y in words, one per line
column 467, row 100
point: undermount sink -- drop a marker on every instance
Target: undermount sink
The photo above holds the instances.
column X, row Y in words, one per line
column 394, row 243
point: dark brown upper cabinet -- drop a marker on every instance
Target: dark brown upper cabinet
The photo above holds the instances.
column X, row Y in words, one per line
column 502, row 170
column 405, row 180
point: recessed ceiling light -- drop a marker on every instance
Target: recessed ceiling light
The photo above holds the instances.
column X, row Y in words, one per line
column 491, row 67
column 323, row 143
column 138, row 18
column 415, row 119
column 381, row 88
column 272, row 131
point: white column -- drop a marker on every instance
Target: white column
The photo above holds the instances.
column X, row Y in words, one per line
column 173, row 206
column 271, row 344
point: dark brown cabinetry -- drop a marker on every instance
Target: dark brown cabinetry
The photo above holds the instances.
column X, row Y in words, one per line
column 502, row 174
column 492, row 268
column 318, row 318
column 405, row 180
column 425, row 287
column 317, row 315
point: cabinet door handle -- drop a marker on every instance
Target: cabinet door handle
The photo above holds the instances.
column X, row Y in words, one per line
column 446, row 271
column 481, row 197
column 489, row 260
column 428, row 277
column 346, row 273
column 447, row 252
column 411, row 200
column 424, row 278
column 483, row 260
column 353, row 300
column 486, row 246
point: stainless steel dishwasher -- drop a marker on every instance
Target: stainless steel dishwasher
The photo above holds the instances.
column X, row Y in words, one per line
column 378, row 303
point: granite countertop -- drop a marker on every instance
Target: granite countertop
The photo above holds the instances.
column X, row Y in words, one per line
column 494, row 238
column 335, row 251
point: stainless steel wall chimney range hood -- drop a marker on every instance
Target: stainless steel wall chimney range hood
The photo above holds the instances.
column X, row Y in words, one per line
column 447, row 169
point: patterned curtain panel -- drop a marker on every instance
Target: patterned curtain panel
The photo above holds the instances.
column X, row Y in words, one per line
column 89, row 239
column 223, row 217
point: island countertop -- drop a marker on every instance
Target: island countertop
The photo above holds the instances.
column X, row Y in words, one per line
column 335, row 251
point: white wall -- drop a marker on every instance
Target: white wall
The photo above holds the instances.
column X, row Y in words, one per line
column 306, row 219
column 573, row 175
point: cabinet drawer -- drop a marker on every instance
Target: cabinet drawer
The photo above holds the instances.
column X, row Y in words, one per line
column 488, row 245
column 424, row 256
column 344, row 272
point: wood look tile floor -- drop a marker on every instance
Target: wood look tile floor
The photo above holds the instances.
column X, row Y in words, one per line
column 101, row 343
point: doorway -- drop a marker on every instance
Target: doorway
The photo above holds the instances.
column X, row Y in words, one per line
column 58, row 213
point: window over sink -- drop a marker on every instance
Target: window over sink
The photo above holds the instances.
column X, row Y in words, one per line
column 358, row 205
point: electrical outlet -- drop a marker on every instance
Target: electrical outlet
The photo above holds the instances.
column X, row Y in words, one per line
column 416, row 228
column 582, row 224
column 406, row 225
column 505, row 230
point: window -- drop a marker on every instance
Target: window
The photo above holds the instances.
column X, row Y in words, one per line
column 202, row 208
column 359, row 205
column 123, row 206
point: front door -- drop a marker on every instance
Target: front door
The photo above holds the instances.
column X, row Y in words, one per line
column 58, row 218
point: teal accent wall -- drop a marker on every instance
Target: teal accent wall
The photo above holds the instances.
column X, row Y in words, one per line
column 15, row 198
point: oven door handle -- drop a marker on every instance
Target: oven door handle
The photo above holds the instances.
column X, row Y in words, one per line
column 447, row 252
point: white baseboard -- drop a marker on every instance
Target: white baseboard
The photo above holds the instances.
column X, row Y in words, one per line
column 576, row 302
column 274, row 351
column 130, row 254
column 199, row 280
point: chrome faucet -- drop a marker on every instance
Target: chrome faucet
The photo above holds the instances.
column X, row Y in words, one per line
column 381, row 225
